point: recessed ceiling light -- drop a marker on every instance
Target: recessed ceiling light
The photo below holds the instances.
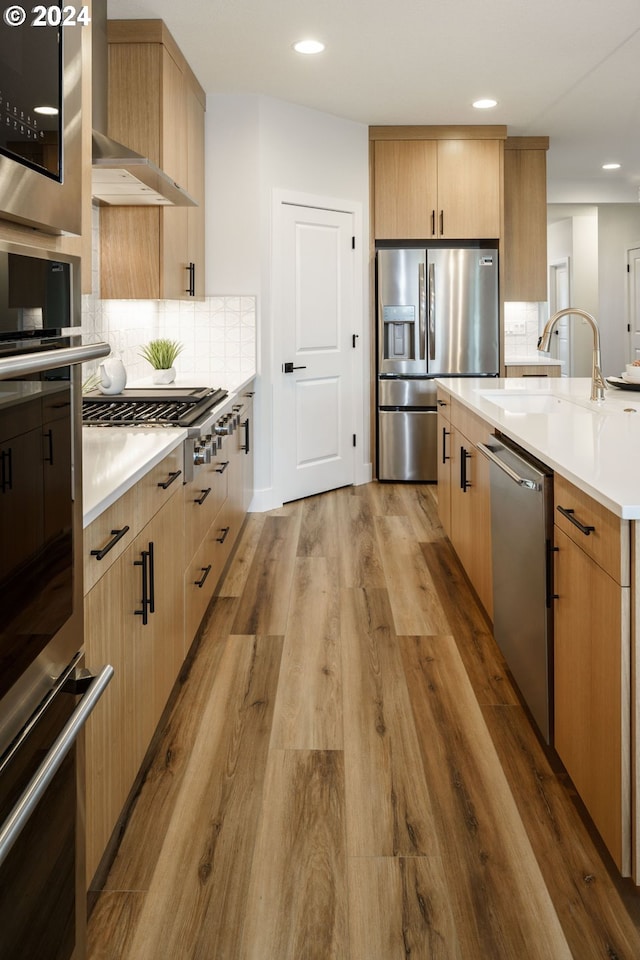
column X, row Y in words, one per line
column 47, row 111
column 610, row 166
column 485, row 104
column 308, row 46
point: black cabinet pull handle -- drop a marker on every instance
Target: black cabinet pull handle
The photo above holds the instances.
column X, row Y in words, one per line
column 205, row 573
column 247, row 438
column 442, row 222
column 49, row 437
column 170, row 479
column 7, row 470
column 225, row 533
column 152, row 579
column 144, row 613
column 191, row 289
column 222, row 467
column 117, row 535
column 445, row 433
column 464, row 482
column 205, row 494
column 568, row 512
column 433, row 223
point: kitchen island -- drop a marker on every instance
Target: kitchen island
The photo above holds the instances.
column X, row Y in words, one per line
column 592, row 449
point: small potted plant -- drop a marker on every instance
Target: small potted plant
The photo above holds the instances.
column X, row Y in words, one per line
column 161, row 354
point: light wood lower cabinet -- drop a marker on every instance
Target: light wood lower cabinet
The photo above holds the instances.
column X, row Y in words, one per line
column 134, row 619
column 532, row 370
column 464, row 496
column 592, row 662
column 152, row 562
column 445, row 449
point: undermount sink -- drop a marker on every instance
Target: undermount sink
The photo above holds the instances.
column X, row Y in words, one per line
column 521, row 402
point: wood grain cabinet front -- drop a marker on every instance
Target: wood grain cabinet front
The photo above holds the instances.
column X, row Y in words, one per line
column 471, row 514
column 134, row 619
column 525, row 218
column 445, row 447
column 437, row 189
column 592, row 654
column 156, row 106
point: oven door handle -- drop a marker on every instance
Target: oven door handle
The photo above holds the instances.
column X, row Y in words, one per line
column 51, row 359
column 37, row 786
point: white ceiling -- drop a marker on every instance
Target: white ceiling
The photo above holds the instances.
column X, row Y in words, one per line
column 569, row 69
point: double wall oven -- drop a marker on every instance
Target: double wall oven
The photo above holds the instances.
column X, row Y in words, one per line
column 46, row 692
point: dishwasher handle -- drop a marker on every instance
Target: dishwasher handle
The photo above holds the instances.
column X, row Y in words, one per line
column 521, row 481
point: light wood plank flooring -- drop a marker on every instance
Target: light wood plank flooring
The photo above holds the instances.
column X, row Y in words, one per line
column 347, row 772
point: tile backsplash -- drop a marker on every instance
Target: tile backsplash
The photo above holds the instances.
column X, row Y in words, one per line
column 523, row 324
column 218, row 333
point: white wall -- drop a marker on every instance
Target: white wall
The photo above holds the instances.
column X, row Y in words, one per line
column 256, row 145
column 576, row 237
column 596, row 238
column 618, row 229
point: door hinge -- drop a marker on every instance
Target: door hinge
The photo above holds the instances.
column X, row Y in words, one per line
column 353, row 243
column 354, row 337
column 354, row 440
column 628, row 268
column 628, row 328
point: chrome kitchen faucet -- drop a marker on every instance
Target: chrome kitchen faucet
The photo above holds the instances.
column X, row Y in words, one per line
column 598, row 386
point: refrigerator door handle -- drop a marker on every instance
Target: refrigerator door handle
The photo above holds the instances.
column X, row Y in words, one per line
column 422, row 311
column 432, row 311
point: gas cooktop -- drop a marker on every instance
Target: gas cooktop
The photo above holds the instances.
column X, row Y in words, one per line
column 150, row 406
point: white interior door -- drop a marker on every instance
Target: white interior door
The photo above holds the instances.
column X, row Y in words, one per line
column 633, row 299
column 316, row 444
column 558, row 300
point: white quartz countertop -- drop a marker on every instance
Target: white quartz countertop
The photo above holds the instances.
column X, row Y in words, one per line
column 115, row 458
column 538, row 361
column 596, row 446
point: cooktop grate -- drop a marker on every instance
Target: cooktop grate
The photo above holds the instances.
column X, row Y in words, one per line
column 169, row 407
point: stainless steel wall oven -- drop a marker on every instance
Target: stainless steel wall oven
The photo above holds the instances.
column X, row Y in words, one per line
column 46, row 693
column 40, row 152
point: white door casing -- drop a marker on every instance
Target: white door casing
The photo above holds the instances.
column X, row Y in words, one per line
column 315, row 293
column 558, row 300
column 633, row 303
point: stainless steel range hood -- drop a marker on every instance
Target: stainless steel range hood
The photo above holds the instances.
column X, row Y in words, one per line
column 120, row 176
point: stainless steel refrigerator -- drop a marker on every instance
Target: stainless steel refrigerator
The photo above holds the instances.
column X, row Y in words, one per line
column 438, row 316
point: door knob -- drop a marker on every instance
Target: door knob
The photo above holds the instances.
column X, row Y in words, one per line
column 289, row 367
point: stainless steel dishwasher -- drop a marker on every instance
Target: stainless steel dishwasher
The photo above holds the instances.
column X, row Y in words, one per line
column 522, row 549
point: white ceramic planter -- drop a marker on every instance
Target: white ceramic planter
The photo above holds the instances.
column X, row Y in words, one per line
column 164, row 376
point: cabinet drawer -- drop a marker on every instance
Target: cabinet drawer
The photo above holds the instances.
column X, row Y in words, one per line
column 107, row 535
column 533, row 370
column 201, row 578
column 473, row 427
column 444, row 403
column 159, row 484
column 603, row 536
column 203, row 498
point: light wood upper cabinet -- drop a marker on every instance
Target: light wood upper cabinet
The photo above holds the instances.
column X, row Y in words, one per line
column 406, row 188
column 525, row 218
column 432, row 188
column 195, row 182
column 156, row 106
column 469, row 189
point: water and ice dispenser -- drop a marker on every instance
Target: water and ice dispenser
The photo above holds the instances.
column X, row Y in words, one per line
column 399, row 333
